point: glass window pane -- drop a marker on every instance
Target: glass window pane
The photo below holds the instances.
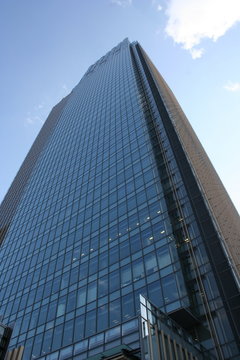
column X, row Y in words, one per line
column 127, row 307
column 114, row 281
column 169, row 285
column 115, row 312
column 92, row 291
column 57, row 337
column 90, row 326
column 150, row 263
column 81, row 296
column 61, row 306
column 126, row 275
column 68, row 333
column 138, row 269
column 163, row 256
column 79, row 327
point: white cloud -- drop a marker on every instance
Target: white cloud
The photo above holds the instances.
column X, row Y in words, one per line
column 32, row 120
column 64, row 87
column 231, row 86
column 196, row 53
column 39, row 106
column 156, row 5
column 122, row 3
column 191, row 21
column 29, row 121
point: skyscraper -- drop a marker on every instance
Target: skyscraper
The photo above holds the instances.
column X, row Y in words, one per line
column 117, row 199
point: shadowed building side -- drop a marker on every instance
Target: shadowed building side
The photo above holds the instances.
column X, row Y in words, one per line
column 217, row 217
column 224, row 214
column 11, row 200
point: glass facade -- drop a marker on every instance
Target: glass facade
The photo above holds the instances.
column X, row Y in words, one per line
column 104, row 216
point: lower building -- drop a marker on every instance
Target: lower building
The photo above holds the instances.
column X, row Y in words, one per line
column 163, row 338
column 5, row 335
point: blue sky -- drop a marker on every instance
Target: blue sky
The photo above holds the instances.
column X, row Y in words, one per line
column 47, row 45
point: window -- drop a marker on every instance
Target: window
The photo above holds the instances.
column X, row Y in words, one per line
column 81, row 296
column 57, row 337
column 126, row 275
column 150, row 263
column 138, row 269
column 127, row 306
column 68, row 333
column 115, row 312
column 90, row 326
column 102, row 317
column 163, row 256
column 61, row 306
column 170, row 292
